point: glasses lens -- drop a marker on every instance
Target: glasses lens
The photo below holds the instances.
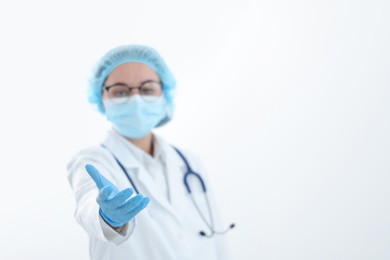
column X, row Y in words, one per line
column 118, row 94
column 150, row 91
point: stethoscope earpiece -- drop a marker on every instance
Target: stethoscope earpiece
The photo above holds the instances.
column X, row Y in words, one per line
column 203, row 234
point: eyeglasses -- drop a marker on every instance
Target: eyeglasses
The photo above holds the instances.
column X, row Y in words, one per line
column 120, row 93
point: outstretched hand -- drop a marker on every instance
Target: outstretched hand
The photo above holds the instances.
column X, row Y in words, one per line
column 116, row 207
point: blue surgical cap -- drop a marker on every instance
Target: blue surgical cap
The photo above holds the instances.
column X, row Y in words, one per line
column 131, row 53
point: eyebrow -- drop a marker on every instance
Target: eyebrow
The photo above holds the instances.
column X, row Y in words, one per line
column 125, row 84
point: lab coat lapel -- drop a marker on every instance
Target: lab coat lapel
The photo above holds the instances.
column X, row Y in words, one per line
column 150, row 188
column 144, row 182
column 175, row 168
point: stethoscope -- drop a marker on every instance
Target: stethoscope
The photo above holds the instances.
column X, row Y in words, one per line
column 189, row 172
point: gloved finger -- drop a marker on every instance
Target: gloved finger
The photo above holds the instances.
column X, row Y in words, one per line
column 97, row 177
column 130, row 204
column 106, row 194
column 120, row 198
column 144, row 202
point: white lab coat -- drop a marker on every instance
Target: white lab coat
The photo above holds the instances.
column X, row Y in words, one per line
column 164, row 229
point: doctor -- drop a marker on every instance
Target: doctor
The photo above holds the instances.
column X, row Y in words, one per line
column 133, row 196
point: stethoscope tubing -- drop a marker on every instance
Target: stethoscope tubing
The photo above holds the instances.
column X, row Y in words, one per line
column 187, row 174
column 123, row 169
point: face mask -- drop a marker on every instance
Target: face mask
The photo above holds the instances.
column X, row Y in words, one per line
column 136, row 118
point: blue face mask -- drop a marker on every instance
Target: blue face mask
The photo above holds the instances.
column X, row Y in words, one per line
column 136, row 118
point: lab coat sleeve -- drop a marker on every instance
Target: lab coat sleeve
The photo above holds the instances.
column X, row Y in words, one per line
column 221, row 241
column 85, row 191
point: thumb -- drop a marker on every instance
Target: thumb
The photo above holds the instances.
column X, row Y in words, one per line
column 106, row 194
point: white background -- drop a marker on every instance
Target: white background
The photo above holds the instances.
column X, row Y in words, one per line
column 286, row 102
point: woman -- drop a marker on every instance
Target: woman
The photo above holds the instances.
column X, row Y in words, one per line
column 130, row 195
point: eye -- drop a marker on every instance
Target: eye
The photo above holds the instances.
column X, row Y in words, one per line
column 118, row 91
column 151, row 88
column 146, row 90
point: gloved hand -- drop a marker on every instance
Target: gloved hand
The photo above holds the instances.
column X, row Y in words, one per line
column 116, row 208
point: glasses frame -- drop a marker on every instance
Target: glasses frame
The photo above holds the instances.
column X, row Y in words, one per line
column 107, row 88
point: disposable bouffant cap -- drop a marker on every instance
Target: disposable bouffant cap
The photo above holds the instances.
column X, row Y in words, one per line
column 131, row 53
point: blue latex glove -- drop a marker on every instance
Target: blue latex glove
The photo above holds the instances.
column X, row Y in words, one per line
column 116, row 207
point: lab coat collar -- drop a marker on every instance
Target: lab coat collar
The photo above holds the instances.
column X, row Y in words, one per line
column 122, row 149
column 119, row 146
